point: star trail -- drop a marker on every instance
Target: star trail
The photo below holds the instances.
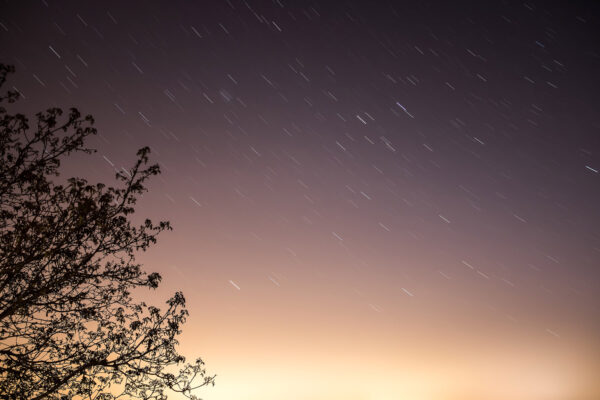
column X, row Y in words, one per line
column 371, row 200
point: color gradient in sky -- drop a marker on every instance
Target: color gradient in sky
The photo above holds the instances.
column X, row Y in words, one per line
column 371, row 200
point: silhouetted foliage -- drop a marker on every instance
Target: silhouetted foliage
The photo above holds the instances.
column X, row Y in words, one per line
column 69, row 327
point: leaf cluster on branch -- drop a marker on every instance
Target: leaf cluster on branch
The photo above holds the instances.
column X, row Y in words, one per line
column 69, row 326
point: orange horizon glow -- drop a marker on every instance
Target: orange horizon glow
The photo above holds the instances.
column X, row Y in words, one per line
column 327, row 337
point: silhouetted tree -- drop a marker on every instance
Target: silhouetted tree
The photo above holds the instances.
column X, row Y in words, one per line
column 69, row 327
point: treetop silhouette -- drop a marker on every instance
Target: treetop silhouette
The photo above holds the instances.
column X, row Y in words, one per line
column 69, row 326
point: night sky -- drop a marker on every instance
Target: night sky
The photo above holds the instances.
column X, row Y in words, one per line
column 371, row 200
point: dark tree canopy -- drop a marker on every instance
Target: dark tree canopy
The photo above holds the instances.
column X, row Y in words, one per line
column 69, row 326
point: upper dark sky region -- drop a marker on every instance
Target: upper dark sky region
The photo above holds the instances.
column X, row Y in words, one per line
column 371, row 200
